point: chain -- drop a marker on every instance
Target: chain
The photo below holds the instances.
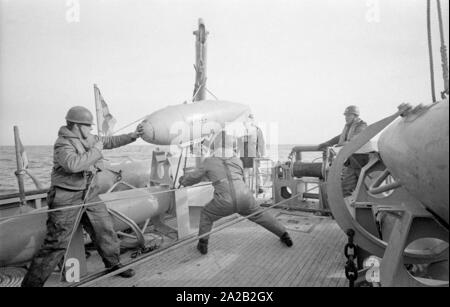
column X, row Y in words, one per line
column 351, row 271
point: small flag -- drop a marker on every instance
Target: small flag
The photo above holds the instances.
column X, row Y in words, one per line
column 23, row 155
column 105, row 120
column 108, row 120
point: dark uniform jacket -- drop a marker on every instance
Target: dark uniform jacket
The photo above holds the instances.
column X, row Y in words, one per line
column 349, row 132
column 73, row 158
column 213, row 170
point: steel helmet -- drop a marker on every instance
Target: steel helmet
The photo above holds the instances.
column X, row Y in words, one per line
column 352, row 110
column 80, row 115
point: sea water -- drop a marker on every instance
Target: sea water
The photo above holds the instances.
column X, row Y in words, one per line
column 41, row 162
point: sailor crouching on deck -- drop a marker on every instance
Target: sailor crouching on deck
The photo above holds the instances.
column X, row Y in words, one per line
column 231, row 194
column 75, row 152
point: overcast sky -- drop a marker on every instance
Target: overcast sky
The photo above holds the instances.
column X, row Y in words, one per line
column 297, row 63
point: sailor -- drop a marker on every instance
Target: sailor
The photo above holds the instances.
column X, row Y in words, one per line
column 231, row 194
column 75, row 154
column 353, row 126
column 252, row 146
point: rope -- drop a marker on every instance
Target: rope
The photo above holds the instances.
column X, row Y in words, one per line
column 444, row 59
column 178, row 168
column 79, row 216
column 211, row 93
column 185, row 164
column 430, row 52
column 178, row 244
column 129, row 124
column 96, row 203
column 196, row 93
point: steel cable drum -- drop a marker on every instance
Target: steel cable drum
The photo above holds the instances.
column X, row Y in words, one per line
column 415, row 150
column 305, row 169
column 163, row 126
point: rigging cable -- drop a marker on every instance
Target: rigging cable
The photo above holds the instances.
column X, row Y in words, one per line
column 141, row 118
column 96, row 277
column 430, row 51
column 444, row 58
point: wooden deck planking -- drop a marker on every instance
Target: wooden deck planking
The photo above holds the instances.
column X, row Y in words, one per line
column 338, row 279
column 255, row 266
column 321, row 260
column 246, row 272
column 311, row 264
column 261, row 276
column 281, row 275
column 311, row 247
column 247, row 255
column 329, row 267
column 301, row 240
column 325, row 262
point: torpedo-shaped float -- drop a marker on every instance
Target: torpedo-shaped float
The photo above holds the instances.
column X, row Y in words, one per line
column 181, row 123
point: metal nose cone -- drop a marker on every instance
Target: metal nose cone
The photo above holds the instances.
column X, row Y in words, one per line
column 149, row 132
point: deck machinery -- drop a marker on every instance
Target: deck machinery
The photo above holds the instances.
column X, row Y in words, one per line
column 397, row 217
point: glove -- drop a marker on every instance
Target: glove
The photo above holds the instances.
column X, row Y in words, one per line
column 405, row 108
column 138, row 132
column 98, row 145
column 180, row 180
column 90, row 140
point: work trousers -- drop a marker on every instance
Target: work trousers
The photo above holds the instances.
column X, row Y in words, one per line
column 216, row 210
column 351, row 171
column 95, row 220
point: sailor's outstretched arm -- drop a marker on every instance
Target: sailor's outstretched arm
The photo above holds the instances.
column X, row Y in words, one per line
column 110, row 142
column 193, row 177
column 330, row 142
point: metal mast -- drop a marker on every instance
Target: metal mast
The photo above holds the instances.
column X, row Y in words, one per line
column 200, row 62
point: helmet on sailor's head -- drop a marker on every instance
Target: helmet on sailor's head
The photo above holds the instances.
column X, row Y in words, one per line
column 352, row 110
column 223, row 144
column 251, row 116
column 80, row 115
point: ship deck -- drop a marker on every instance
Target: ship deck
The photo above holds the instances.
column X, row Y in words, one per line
column 247, row 255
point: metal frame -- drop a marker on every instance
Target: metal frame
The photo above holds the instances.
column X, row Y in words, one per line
column 354, row 213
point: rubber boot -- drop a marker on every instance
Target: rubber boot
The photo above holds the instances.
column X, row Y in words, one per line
column 125, row 274
column 286, row 239
column 202, row 246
